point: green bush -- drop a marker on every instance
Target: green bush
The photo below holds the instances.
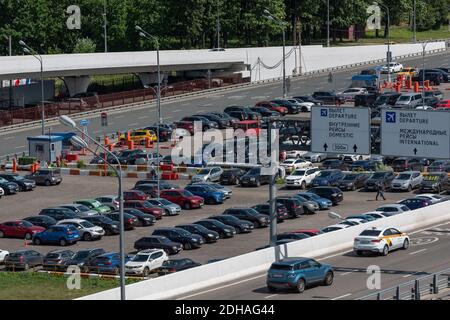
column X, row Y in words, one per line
column 383, row 167
column 80, row 164
column 23, row 161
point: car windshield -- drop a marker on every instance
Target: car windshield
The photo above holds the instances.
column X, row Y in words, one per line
column 183, row 232
column 289, row 161
column 165, row 202
column 18, row 178
column 370, row 233
column 82, row 208
column 254, row 171
column 172, row 263
column 187, row 193
column 298, row 173
column 81, row 255
column 96, row 204
column 204, row 171
column 404, row 176
column 378, row 175
column 350, row 177
column 140, row 258
column 52, row 256
column 403, row 98
column 3, row 180
column 26, row 224
column 86, row 224
column 324, row 174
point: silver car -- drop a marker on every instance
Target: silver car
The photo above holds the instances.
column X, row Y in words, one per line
column 208, row 174
column 407, row 181
column 408, row 100
column 87, row 230
column 315, row 156
column 170, row 208
column 79, row 209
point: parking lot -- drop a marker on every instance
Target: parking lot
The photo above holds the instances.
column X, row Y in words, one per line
column 26, row 204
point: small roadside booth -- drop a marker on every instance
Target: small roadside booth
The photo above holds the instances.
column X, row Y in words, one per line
column 45, row 147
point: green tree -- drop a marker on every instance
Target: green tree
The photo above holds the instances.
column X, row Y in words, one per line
column 84, row 45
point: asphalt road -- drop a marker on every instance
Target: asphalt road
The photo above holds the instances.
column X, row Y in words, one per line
column 12, row 143
column 427, row 254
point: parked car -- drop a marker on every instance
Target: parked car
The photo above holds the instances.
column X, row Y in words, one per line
column 170, row 209
column 435, row 182
column 408, row 100
column 329, row 97
column 165, row 133
column 146, row 261
column 221, row 123
column 309, row 232
column 187, row 239
column 80, row 210
column 406, row 164
column 439, row 166
column 385, row 177
column 224, row 230
column 19, row 229
column 353, row 181
column 58, row 213
column 56, row 260
column 434, row 198
column 392, row 67
column 135, row 195
column 292, row 107
column 227, row 192
column 41, row 221
column 24, row 184
column 83, row 258
column 310, row 99
column 350, row 93
column 130, row 221
column 2, row 192
column 3, row 256
column 435, row 77
column 392, row 209
column 273, row 106
column 309, row 207
column 183, row 198
column 323, row 203
column 46, row 177
column 334, row 164
column 315, row 156
column 94, row 205
column 209, row 236
column 209, row 194
column 293, row 205
column 9, row 187
column 86, row 229
column 295, row 164
column 175, row 265
column 334, row 227
column 108, row 262
column 331, row 193
column 110, row 201
column 110, row 226
column 23, row 259
column 386, row 99
column 58, row 234
column 241, row 226
column 327, row 178
column 301, row 178
column 264, row 112
column 292, row 236
column 144, row 219
column 298, row 273
column 248, row 214
column 254, row 178
column 158, row 242
column 206, row 124
column 208, row 174
column 365, row 165
column 362, row 216
column 416, row 203
column 407, row 181
column 145, row 207
column 231, row 176
column 281, row 210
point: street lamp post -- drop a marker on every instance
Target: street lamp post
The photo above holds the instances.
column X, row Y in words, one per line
column 29, row 50
column 424, row 45
column 388, row 58
column 328, row 23
column 148, row 36
column 105, row 30
column 67, row 121
column 283, row 25
column 414, row 22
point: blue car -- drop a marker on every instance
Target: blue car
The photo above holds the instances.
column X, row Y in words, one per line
column 298, row 273
column 106, row 263
column 61, row 234
column 323, row 203
column 210, row 194
column 327, row 178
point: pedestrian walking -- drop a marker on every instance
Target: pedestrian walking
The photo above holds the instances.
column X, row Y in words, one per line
column 380, row 191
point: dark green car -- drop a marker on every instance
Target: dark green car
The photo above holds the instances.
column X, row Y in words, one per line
column 94, row 205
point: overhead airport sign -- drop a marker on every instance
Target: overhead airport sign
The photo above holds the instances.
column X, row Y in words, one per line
column 415, row 133
column 341, row 130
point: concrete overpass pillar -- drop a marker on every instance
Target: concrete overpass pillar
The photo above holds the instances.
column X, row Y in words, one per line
column 151, row 78
column 77, row 84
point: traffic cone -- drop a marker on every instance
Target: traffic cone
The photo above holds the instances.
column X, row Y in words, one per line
column 14, row 165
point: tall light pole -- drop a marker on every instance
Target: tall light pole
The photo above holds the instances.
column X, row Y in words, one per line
column 218, row 25
column 424, row 45
column 328, row 23
column 414, row 22
column 283, row 26
column 29, row 50
column 388, row 58
column 148, row 36
column 105, row 22
column 67, row 121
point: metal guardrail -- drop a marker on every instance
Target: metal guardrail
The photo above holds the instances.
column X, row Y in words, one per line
column 414, row 290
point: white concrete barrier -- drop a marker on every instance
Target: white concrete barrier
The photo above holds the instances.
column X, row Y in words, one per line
column 248, row 264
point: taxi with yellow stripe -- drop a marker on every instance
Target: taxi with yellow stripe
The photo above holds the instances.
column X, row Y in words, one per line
column 139, row 136
column 380, row 240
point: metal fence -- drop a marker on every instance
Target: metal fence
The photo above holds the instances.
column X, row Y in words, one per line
column 416, row 289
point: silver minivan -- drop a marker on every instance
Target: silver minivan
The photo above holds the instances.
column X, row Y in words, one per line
column 408, row 101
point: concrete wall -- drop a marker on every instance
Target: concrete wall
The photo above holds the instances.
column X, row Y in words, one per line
column 259, row 261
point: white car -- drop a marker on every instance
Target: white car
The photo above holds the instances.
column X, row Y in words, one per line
column 380, row 240
column 87, row 230
column 353, row 221
column 349, row 94
column 393, row 209
column 301, row 178
column 424, row 108
column 407, row 181
column 304, row 106
column 3, row 255
column 434, row 198
column 392, row 67
column 335, row 227
column 294, row 164
column 295, row 154
column 315, row 156
column 352, row 157
column 146, row 261
column 2, row 192
column 377, row 214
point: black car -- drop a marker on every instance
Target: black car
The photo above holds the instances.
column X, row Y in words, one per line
column 308, row 98
column 171, row 266
column 209, row 236
column 365, row 100
column 56, row 260
column 58, row 213
column 24, row 184
column 239, row 114
column 416, row 203
column 249, row 214
column 241, row 226
column 84, row 257
column 406, row 164
column 110, row 226
column 125, row 155
column 158, row 242
column 264, row 112
column 187, row 239
column 42, row 221
column 231, row 176
column 294, row 206
column 334, row 164
column 221, row 123
column 439, row 166
column 292, row 108
column 248, row 113
column 206, row 124
column 328, row 97
column 143, row 218
column 435, row 77
column 387, row 98
column 9, row 187
column 264, row 208
column 224, row 230
column 292, row 236
column 226, row 117
column 384, row 177
column 435, row 182
column 331, row 193
column 165, row 133
column 254, row 178
column 23, row 259
column 353, row 181
column 130, row 221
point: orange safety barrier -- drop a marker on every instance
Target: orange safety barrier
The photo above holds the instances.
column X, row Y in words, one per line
column 14, row 165
column 130, row 144
column 106, row 141
column 128, row 136
column 110, row 147
column 416, row 87
column 148, row 143
column 166, row 167
column 166, row 176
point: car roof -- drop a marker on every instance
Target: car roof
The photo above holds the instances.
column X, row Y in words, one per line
column 147, row 251
column 396, row 205
column 71, row 220
column 292, row 260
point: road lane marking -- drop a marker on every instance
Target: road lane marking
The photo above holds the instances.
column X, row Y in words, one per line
column 345, row 273
column 19, row 147
column 418, row 251
column 119, row 117
column 8, row 138
column 411, row 274
column 271, row 296
column 343, row 296
column 175, row 111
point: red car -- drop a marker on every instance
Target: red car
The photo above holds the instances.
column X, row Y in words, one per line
column 272, row 106
column 135, row 195
column 443, row 104
column 145, row 207
column 309, row 232
column 183, row 198
column 19, row 229
column 187, row 125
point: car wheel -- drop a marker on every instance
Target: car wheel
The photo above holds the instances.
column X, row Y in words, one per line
column 319, row 159
column 258, row 184
column 146, row 272
column 28, row 236
column 359, row 252
column 87, row 236
column 385, row 250
column 26, row 267
column 2, row 234
column 238, row 229
column 405, row 244
column 354, row 188
column 409, row 188
column 62, row 242
column 37, row 241
column 187, row 205
column 328, row 281
column 47, row 183
column 303, row 185
column 271, row 289
column 300, row 287
column 187, row 246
